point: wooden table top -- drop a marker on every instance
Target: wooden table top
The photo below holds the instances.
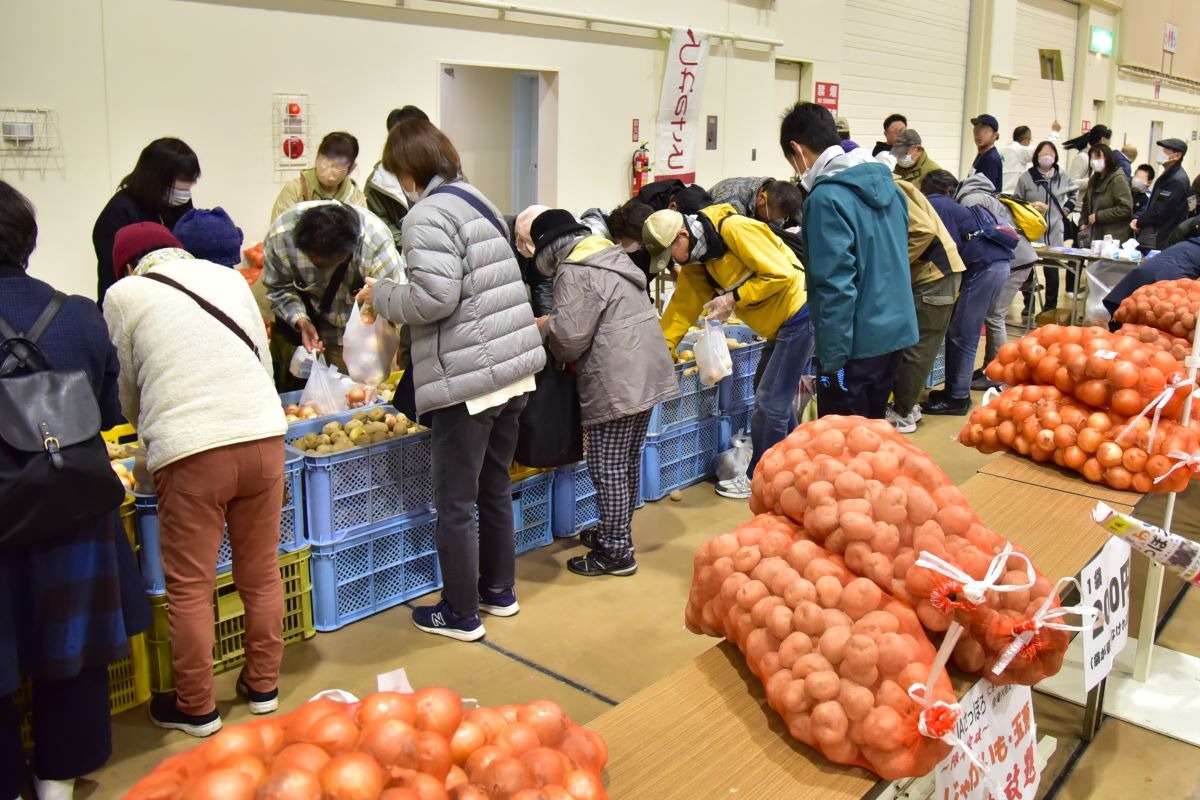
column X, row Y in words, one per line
column 1051, row 476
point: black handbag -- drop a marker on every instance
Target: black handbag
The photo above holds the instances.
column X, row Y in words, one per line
column 55, row 476
column 550, row 430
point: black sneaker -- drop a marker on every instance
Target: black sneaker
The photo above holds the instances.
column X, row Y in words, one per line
column 947, row 406
column 259, row 702
column 589, row 538
column 166, row 714
column 597, row 563
column 440, row 619
column 498, row 604
column 981, row 382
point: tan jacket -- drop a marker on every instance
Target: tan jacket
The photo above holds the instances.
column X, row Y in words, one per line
column 932, row 253
column 305, row 187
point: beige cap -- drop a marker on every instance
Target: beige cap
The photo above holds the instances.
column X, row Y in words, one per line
column 658, row 234
column 521, row 226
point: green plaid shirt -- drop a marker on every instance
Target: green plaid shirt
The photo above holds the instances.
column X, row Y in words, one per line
column 288, row 273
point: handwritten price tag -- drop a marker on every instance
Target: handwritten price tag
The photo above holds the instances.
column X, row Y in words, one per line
column 997, row 724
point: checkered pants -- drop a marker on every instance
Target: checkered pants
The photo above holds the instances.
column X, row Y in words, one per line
column 614, row 456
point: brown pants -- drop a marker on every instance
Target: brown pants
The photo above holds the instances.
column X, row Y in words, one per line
column 240, row 485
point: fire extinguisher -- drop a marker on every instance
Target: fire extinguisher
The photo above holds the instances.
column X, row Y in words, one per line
column 641, row 168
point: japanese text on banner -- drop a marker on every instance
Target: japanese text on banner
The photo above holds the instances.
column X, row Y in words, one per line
column 1106, row 588
column 997, row 724
column 679, row 107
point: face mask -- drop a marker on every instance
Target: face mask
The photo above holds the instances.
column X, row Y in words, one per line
column 905, row 161
column 1097, row 165
column 178, row 197
column 1046, row 162
column 1140, row 184
column 1162, row 158
column 411, row 194
column 805, row 176
column 631, row 248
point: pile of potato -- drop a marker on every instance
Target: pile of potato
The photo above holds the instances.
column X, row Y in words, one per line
column 363, row 429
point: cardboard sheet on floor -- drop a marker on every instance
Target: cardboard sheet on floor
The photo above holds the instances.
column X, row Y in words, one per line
column 706, row 731
column 1053, row 526
column 1051, row 476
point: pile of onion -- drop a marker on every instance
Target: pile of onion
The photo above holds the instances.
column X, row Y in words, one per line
column 391, row 746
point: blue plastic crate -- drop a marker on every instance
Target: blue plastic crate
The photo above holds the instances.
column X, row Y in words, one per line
column 576, row 506
column 291, row 528
column 695, row 401
column 735, row 421
column 349, row 491
column 286, row 398
column 532, row 517
column 938, row 375
column 373, row 570
column 737, row 391
column 678, row 459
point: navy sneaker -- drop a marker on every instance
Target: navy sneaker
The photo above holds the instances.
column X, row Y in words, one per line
column 498, row 604
column 441, row 620
column 597, row 563
column 165, row 713
column 259, row 702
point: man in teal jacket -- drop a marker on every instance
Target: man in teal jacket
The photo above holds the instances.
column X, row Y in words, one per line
column 856, row 240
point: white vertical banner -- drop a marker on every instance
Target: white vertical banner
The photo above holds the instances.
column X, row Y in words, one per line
column 677, row 138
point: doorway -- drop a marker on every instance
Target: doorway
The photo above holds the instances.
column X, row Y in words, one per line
column 503, row 121
column 790, row 85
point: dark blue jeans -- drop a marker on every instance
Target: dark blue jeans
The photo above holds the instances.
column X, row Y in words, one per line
column 976, row 296
column 775, row 395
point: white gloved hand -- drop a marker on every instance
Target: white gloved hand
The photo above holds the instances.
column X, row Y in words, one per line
column 720, row 308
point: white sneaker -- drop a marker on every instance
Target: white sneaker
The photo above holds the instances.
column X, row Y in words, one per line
column 54, row 790
column 916, row 413
column 905, row 424
column 735, row 488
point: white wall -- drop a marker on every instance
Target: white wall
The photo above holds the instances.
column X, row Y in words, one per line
column 477, row 116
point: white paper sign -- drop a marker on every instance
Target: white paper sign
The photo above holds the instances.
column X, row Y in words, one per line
column 1106, row 588
column 997, row 725
column 677, row 138
column 394, row 681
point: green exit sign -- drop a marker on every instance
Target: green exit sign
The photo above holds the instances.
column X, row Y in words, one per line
column 1102, row 42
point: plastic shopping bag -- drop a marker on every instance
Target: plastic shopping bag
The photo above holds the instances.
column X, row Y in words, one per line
column 712, row 354
column 301, row 363
column 324, row 390
column 369, row 346
column 1102, row 277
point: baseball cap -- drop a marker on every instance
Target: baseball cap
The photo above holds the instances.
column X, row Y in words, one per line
column 987, row 119
column 904, row 140
column 1178, row 145
column 842, row 124
column 658, row 234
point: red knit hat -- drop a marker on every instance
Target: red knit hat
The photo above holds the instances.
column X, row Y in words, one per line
column 136, row 240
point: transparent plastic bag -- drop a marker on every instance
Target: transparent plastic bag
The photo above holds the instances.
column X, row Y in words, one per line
column 324, row 392
column 736, row 460
column 302, row 363
column 712, row 354
column 369, row 346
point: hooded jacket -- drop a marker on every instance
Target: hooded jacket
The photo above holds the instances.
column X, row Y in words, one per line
column 1111, row 200
column 978, row 190
column 604, row 323
column 932, row 251
column 856, row 237
column 473, row 331
column 772, row 294
column 385, row 199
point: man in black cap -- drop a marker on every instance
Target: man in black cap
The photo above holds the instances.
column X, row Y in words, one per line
column 1102, row 134
column 988, row 163
column 1168, row 204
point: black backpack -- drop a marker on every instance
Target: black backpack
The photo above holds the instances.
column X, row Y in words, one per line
column 55, row 476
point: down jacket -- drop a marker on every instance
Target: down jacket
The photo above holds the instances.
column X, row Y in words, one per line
column 473, row 330
column 604, row 323
column 978, row 190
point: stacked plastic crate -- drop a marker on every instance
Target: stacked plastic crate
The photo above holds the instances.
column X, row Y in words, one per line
column 737, row 391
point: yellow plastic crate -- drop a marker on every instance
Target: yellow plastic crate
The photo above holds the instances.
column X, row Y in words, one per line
column 122, row 434
column 128, row 686
column 518, row 472
column 229, row 617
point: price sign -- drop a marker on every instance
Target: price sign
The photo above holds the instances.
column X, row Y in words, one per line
column 1106, row 588
column 997, row 725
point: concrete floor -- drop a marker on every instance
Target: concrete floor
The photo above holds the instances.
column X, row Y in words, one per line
column 588, row 643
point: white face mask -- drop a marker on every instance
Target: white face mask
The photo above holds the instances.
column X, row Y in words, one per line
column 1046, row 162
column 1097, row 165
column 178, row 197
column 905, row 161
column 1162, row 158
column 1140, row 184
column 411, row 194
column 805, row 176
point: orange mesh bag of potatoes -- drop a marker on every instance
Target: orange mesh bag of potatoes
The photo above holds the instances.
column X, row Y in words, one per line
column 842, row 662
column 1170, row 306
column 861, row 490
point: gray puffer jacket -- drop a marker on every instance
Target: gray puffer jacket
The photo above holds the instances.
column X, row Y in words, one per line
column 978, row 190
column 473, row 331
column 603, row 322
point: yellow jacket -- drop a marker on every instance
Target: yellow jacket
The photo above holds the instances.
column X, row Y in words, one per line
column 932, row 253
column 772, row 295
column 305, row 187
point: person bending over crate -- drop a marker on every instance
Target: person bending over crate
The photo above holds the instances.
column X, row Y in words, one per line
column 196, row 380
column 604, row 324
column 730, row 262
